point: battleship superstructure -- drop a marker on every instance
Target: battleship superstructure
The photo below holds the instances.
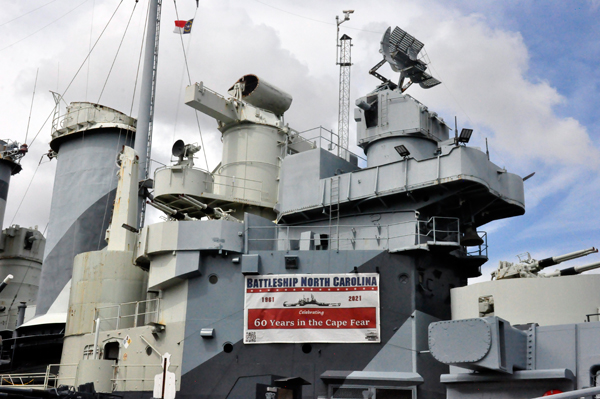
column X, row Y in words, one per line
column 21, row 252
column 387, row 242
column 293, row 272
column 85, row 142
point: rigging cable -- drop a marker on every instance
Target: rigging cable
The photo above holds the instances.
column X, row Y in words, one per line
column 87, row 78
column 26, row 191
column 117, row 53
column 31, row 107
column 78, row 70
column 190, row 82
column 44, row 27
column 130, row 110
column 182, row 46
column 137, row 73
column 315, row 20
column 27, row 13
column 181, row 88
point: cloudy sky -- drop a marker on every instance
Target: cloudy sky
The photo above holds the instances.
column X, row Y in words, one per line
column 523, row 74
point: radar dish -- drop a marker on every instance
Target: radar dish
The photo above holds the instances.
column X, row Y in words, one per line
column 178, row 149
column 401, row 51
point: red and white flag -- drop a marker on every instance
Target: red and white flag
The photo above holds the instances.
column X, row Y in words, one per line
column 183, row 27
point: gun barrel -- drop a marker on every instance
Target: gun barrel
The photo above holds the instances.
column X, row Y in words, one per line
column 562, row 258
column 169, row 211
column 579, row 269
column 4, row 283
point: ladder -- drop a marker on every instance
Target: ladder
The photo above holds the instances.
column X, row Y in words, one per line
column 334, row 213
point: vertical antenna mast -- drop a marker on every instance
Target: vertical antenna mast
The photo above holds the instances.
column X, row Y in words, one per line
column 343, row 59
column 56, row 115
column 143, row 136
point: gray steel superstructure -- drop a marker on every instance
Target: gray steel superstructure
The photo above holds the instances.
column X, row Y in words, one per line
column 86, row 142
column 407, row 219
column 21, row 251
column 292, row 272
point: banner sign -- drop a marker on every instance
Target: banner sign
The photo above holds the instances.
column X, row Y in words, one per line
column 312, row 308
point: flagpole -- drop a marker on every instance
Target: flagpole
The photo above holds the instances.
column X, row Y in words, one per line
column 143, row 136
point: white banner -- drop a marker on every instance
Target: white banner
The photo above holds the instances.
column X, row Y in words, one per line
column 312, row 308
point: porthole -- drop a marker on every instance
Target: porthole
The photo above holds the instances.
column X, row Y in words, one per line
column 306, row 348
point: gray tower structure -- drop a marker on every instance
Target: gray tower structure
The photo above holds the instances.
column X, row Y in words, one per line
column 21, row 248
column 10, row 154
column 21, row 251
column 87, row 142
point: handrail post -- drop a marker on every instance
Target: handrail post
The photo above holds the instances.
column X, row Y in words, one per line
column 96, row 337
column 137, row 308
column 46, row 377
column 156, row 310
column 118, row 315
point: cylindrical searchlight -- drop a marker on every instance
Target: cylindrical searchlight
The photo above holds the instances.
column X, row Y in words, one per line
column 262, row 94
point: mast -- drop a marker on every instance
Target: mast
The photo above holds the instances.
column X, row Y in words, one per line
column 343, row 48
column 143, row 136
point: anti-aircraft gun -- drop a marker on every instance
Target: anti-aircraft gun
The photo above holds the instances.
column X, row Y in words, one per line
column 527, row 267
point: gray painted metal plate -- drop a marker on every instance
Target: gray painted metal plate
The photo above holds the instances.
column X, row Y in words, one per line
column 459, row 341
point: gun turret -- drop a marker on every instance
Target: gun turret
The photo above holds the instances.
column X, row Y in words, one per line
column 530, row 267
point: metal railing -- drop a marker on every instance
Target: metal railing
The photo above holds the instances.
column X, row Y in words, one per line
column 48, row 379
column 589, row 317
column 228, row 185
column 82, row 114
column 140, row 373
column 439, row 229
column 128, row 314
column 412, row 234
column 11, row 150
column 237, row 187
column 481, row 250
column 29, row 381
column 326, row 139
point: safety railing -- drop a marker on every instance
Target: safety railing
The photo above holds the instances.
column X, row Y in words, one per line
column 29, row 381
column 221, row 184
column 128, row 314
column 11, row 150
column 238, row 187
column 138, row 374
column 141, row 376
column 326, row 139
column 81, row 115
column 48, row 379
column 481, row 250
column 439, row 230
column 412, row 234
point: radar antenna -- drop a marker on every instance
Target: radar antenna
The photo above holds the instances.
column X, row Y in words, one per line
column 401, row 51
column 343, row 59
